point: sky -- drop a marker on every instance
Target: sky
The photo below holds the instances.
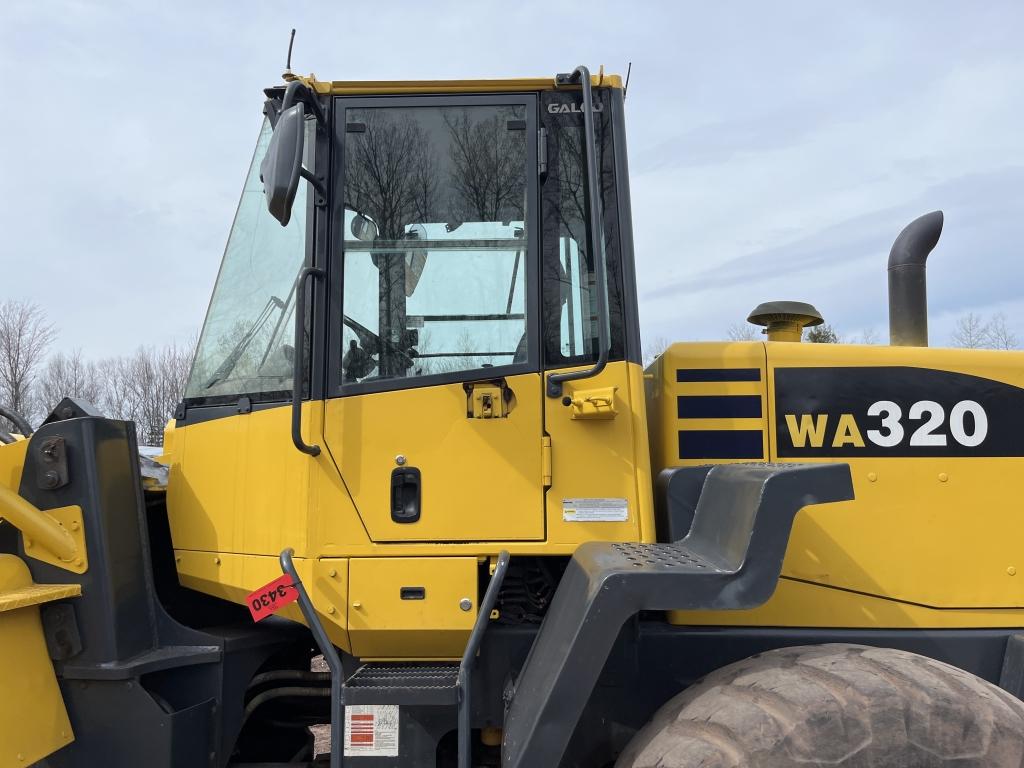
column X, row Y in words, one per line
column 776, row 149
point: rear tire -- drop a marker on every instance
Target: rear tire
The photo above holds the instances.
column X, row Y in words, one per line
column 850, row 706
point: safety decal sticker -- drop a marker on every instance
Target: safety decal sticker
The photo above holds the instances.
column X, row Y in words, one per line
column 371, row 730
column 595, row 510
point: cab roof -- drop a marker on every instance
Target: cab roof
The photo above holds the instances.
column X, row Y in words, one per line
column 373, row 87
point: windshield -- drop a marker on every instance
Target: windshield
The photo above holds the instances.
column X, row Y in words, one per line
column 246, row 344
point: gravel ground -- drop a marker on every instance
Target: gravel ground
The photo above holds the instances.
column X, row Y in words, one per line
column 321, row 733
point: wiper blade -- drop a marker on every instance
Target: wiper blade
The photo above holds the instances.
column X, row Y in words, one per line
column 229, row 363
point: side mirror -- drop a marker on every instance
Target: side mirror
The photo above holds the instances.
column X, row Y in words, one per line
column 415, row 260
column 363, row 228
column 282, row 165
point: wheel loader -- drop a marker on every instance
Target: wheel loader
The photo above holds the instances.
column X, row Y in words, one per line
column 422, row 505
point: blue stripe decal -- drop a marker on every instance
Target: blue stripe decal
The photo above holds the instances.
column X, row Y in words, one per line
column 719, row 406
column 718, row 374
column 721, row 444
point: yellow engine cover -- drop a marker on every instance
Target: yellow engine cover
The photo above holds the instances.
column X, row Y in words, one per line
column 933, row 439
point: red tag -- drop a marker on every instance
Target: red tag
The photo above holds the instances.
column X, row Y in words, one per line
column 272, row 597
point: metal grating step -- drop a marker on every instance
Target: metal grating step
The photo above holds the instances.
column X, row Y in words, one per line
column 411, row 684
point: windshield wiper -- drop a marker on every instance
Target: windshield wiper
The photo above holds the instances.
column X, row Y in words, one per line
column 226, row 367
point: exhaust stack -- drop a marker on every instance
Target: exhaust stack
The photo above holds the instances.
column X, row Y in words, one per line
column 908, row 287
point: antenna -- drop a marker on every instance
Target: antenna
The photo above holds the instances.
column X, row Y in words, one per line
column 625, row 88
column 291, row 42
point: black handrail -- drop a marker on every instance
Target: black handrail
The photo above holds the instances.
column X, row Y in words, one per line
column 20, row 422
column 469, row 656
column 299, row 91
column 330, row 656
column 595, row 233
column 298, row 359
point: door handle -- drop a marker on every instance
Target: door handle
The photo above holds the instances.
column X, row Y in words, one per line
column 298, row 359
column 405, row 495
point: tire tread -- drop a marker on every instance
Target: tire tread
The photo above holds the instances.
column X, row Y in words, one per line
column 834, row 705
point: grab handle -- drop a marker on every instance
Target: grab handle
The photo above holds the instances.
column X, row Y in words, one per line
column 298, row 359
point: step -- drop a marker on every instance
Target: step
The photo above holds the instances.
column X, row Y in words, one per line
column 407, row 684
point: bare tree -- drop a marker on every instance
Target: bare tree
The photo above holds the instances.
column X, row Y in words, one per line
column 867, row 336
column 486, row 166
column 121, row 399
column 390, row 173
column 69, row 375
column 971, row 332
column 391, row 176
column 25, row 337
column 654, row 348
column 742, row 332
column 170, row 366
column 145, row 387
column 999, row 335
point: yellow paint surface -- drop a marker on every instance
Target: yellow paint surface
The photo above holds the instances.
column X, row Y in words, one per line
column 927, row 542
column 33, row 719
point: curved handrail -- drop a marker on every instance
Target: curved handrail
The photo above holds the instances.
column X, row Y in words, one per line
column 299, row 358
column 595, row 234
column 330, row 653
column 468, row 656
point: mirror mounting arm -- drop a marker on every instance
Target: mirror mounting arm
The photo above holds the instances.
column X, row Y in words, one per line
column 299, row 91
column 317, row 183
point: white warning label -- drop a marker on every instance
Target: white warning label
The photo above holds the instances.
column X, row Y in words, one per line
column 595, row 510
column 371, row 730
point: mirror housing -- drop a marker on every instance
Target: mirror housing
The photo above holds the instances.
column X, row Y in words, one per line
column 282, row 165
column 363, row 228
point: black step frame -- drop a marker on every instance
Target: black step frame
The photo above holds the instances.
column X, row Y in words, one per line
column 731, row 559
column 462, row 678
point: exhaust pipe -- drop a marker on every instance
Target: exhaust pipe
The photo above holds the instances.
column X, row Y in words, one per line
column 908, row 288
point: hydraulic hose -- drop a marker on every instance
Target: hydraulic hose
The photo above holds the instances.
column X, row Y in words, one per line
column 20, row 422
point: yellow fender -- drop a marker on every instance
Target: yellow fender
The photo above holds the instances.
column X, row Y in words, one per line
column 33, row 719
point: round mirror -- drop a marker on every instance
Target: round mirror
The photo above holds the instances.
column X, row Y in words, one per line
column 416, row 259
column 363, row 228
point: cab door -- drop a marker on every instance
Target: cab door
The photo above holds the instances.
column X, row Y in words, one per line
column 435, row 422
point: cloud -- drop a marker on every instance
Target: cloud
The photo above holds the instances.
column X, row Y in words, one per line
column 776, row 149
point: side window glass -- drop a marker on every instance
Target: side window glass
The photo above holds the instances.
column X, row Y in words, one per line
column 569, row 277
column 435, row 241
column 575, row 296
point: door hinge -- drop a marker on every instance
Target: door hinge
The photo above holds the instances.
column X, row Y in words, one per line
column 545, row 460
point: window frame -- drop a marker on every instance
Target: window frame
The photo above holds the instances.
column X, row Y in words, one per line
column 616, row 219
column 336, row 386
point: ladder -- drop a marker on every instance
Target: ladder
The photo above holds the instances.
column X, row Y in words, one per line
column 438, row 684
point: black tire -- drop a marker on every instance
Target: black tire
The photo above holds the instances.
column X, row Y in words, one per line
column 850, row 706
